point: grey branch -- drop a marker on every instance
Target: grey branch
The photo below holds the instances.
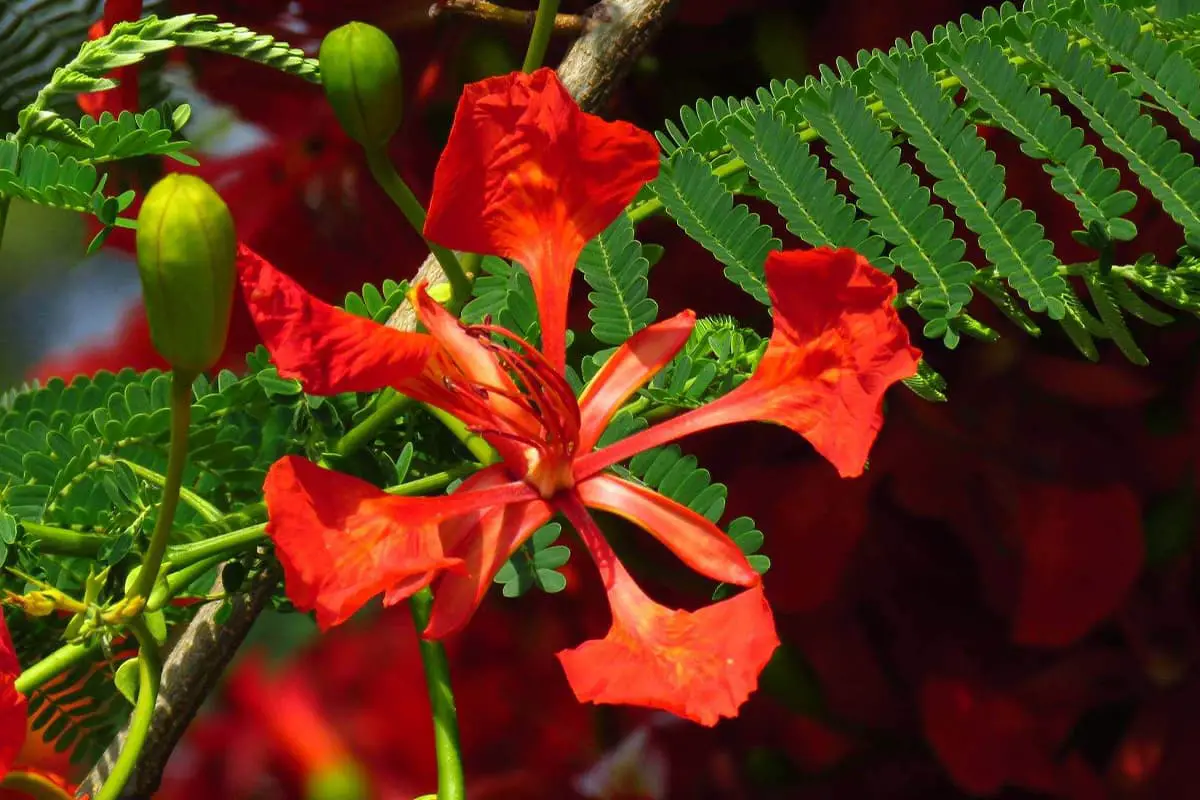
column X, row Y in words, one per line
column 619, row 32
column 190, row 671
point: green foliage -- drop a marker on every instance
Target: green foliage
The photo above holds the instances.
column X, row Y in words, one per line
column 39, row 175
column 615, row 267
column 151, row 133
column 38, row 36
column 49, row 160
column 718, row 356
column 503, row 294
column 697, row 200
column 536, row 564
column 377, row 304
column 892, row 118
column 129, row 43
column 79, row 457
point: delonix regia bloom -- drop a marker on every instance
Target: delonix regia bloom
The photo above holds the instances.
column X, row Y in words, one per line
column 527, row 175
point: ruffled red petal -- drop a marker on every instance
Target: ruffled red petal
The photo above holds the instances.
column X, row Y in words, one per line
column 342, row 541
column 12, row 703
column 328, row 350
column 837, row 346
column 529, row 176
column 700, row 665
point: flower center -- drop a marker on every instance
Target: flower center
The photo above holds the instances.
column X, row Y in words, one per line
column 535, row 423
column 548, row 474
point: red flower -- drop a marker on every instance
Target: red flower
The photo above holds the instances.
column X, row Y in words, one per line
column 1082, row 551
column 12, row 703
column 553, row 178
column 125, row 96
column 988, row 739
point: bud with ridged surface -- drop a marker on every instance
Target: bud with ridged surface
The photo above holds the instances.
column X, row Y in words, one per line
column 360, row 70
column 186, row 253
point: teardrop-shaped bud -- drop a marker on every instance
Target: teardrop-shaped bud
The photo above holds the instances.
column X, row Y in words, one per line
column 360, row 70
column 186, row 252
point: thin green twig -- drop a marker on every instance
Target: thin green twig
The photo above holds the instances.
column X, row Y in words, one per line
column 539, row 39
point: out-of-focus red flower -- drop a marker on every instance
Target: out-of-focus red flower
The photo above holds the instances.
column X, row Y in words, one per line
column 125, row 96
column 988, row 739
column 286, row 710
column 1081, row 552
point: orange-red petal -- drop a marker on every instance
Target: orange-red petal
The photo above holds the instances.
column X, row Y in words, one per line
column 12, row 703
column 700, row 544
column 627, row 370
column 837, row 346
column 700, row 665
column 342, row 541
column 328, row 350
column 529, row 176
column 484, row 540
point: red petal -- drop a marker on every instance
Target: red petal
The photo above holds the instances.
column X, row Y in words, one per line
column 12, row 703
column 1082, row 551
column 634, row 363
column 838, row 345
column 700, row 544
column 342, row 541
column 477, row 362
column 529, row 176
column 699, row 665
column 484, row 540
column 982, row 737
column 328, row 350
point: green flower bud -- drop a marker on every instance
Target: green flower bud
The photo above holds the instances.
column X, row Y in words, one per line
column 360, row 70
column 186, row 252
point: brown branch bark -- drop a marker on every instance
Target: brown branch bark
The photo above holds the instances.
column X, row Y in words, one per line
column 616, row 35
column 485, row 11
column 190, row 672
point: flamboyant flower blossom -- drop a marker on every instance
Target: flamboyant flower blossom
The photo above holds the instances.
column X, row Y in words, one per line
column 527, row 175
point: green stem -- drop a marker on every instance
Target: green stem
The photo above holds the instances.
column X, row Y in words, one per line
column 62, row 542
column 451, row 785
column 539, row 40
column 205, row 509
column 227, row 544
column 470, row 264
column 431, row 483
column 386, row 176
column 181, row 412
column 365, row 432
column 54, row 664
column 476, row 444
column 149, row 672
column 178, row 580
